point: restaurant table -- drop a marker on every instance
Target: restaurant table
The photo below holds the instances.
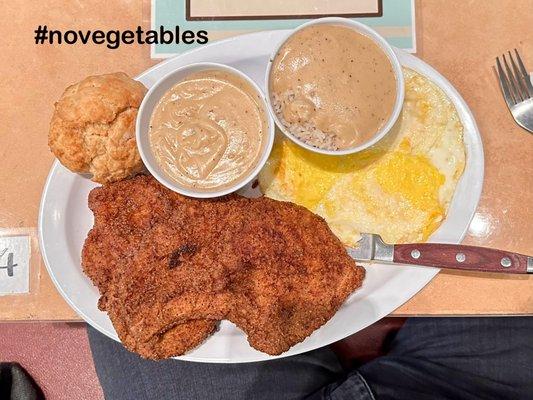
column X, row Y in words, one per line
column 460, row 39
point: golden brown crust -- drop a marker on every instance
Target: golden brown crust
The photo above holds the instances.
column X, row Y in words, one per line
column 93, row 127
column 109, row 246
column 171, row 342
column 177, row 340
column 298, row 275
column 273, row 268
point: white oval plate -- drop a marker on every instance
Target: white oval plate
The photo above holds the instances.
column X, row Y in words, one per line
column 65, row 219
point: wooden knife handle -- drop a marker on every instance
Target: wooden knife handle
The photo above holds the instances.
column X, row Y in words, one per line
column 462, row 257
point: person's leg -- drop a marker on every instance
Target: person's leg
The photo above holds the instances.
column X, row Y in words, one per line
column 451, row 358
column 124, row 375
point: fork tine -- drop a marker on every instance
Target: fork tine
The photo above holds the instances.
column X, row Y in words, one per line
column 520, row 82
column 504, row 84
column 513, row 81
column 525, row 74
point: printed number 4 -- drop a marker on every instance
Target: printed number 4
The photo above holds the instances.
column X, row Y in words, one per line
column 10, row 265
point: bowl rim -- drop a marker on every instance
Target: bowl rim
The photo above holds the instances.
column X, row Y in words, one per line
column 396, row 67
column 146, row 153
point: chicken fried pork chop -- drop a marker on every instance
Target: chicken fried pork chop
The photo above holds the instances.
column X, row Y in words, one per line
column 118, row 231
column 273, row 268
column 296, row 275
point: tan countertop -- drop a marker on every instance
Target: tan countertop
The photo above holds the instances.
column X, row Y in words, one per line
column 460, row 39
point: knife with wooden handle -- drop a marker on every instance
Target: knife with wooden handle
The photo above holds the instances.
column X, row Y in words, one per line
column 451, row 256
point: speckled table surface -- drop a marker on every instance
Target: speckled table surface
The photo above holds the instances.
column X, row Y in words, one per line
column 460, row 39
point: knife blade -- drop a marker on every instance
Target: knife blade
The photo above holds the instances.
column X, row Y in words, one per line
column 371, row 247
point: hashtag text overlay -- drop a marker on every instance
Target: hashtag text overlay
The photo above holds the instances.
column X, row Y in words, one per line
column 113, row 39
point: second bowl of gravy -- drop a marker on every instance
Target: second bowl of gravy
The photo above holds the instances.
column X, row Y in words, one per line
column 334, row 86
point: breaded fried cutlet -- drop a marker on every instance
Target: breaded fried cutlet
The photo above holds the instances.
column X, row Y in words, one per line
column 273, row 268
column 111, row 243
column 297, row 275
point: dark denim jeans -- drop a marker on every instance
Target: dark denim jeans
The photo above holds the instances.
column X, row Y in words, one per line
column 430, row 358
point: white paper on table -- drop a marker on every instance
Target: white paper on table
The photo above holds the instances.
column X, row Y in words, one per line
column 14, row 264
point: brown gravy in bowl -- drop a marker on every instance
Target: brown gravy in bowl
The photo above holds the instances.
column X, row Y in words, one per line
column 209, row 130
column 332, row 86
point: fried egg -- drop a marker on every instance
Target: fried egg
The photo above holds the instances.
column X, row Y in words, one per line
column 401, row 188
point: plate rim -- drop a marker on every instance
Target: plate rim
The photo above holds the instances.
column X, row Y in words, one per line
column 56, row 166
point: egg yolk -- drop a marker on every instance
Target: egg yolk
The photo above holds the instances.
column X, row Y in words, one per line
column 417, row 180
column 311, row 175
column 413, row 177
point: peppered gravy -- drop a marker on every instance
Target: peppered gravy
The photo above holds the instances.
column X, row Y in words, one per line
column 335, row 80
column 209, row 130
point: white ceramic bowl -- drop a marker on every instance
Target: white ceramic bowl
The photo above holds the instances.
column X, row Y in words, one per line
column 396, row 67
column 143, row 125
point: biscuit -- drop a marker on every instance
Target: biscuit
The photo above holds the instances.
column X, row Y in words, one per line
column 93, row 127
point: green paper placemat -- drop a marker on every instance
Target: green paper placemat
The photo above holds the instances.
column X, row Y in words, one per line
column 394, row 19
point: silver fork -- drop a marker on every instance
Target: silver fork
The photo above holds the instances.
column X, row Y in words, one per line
column 517, row 89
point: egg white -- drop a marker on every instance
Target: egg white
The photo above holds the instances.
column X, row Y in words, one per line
column 401, row 188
